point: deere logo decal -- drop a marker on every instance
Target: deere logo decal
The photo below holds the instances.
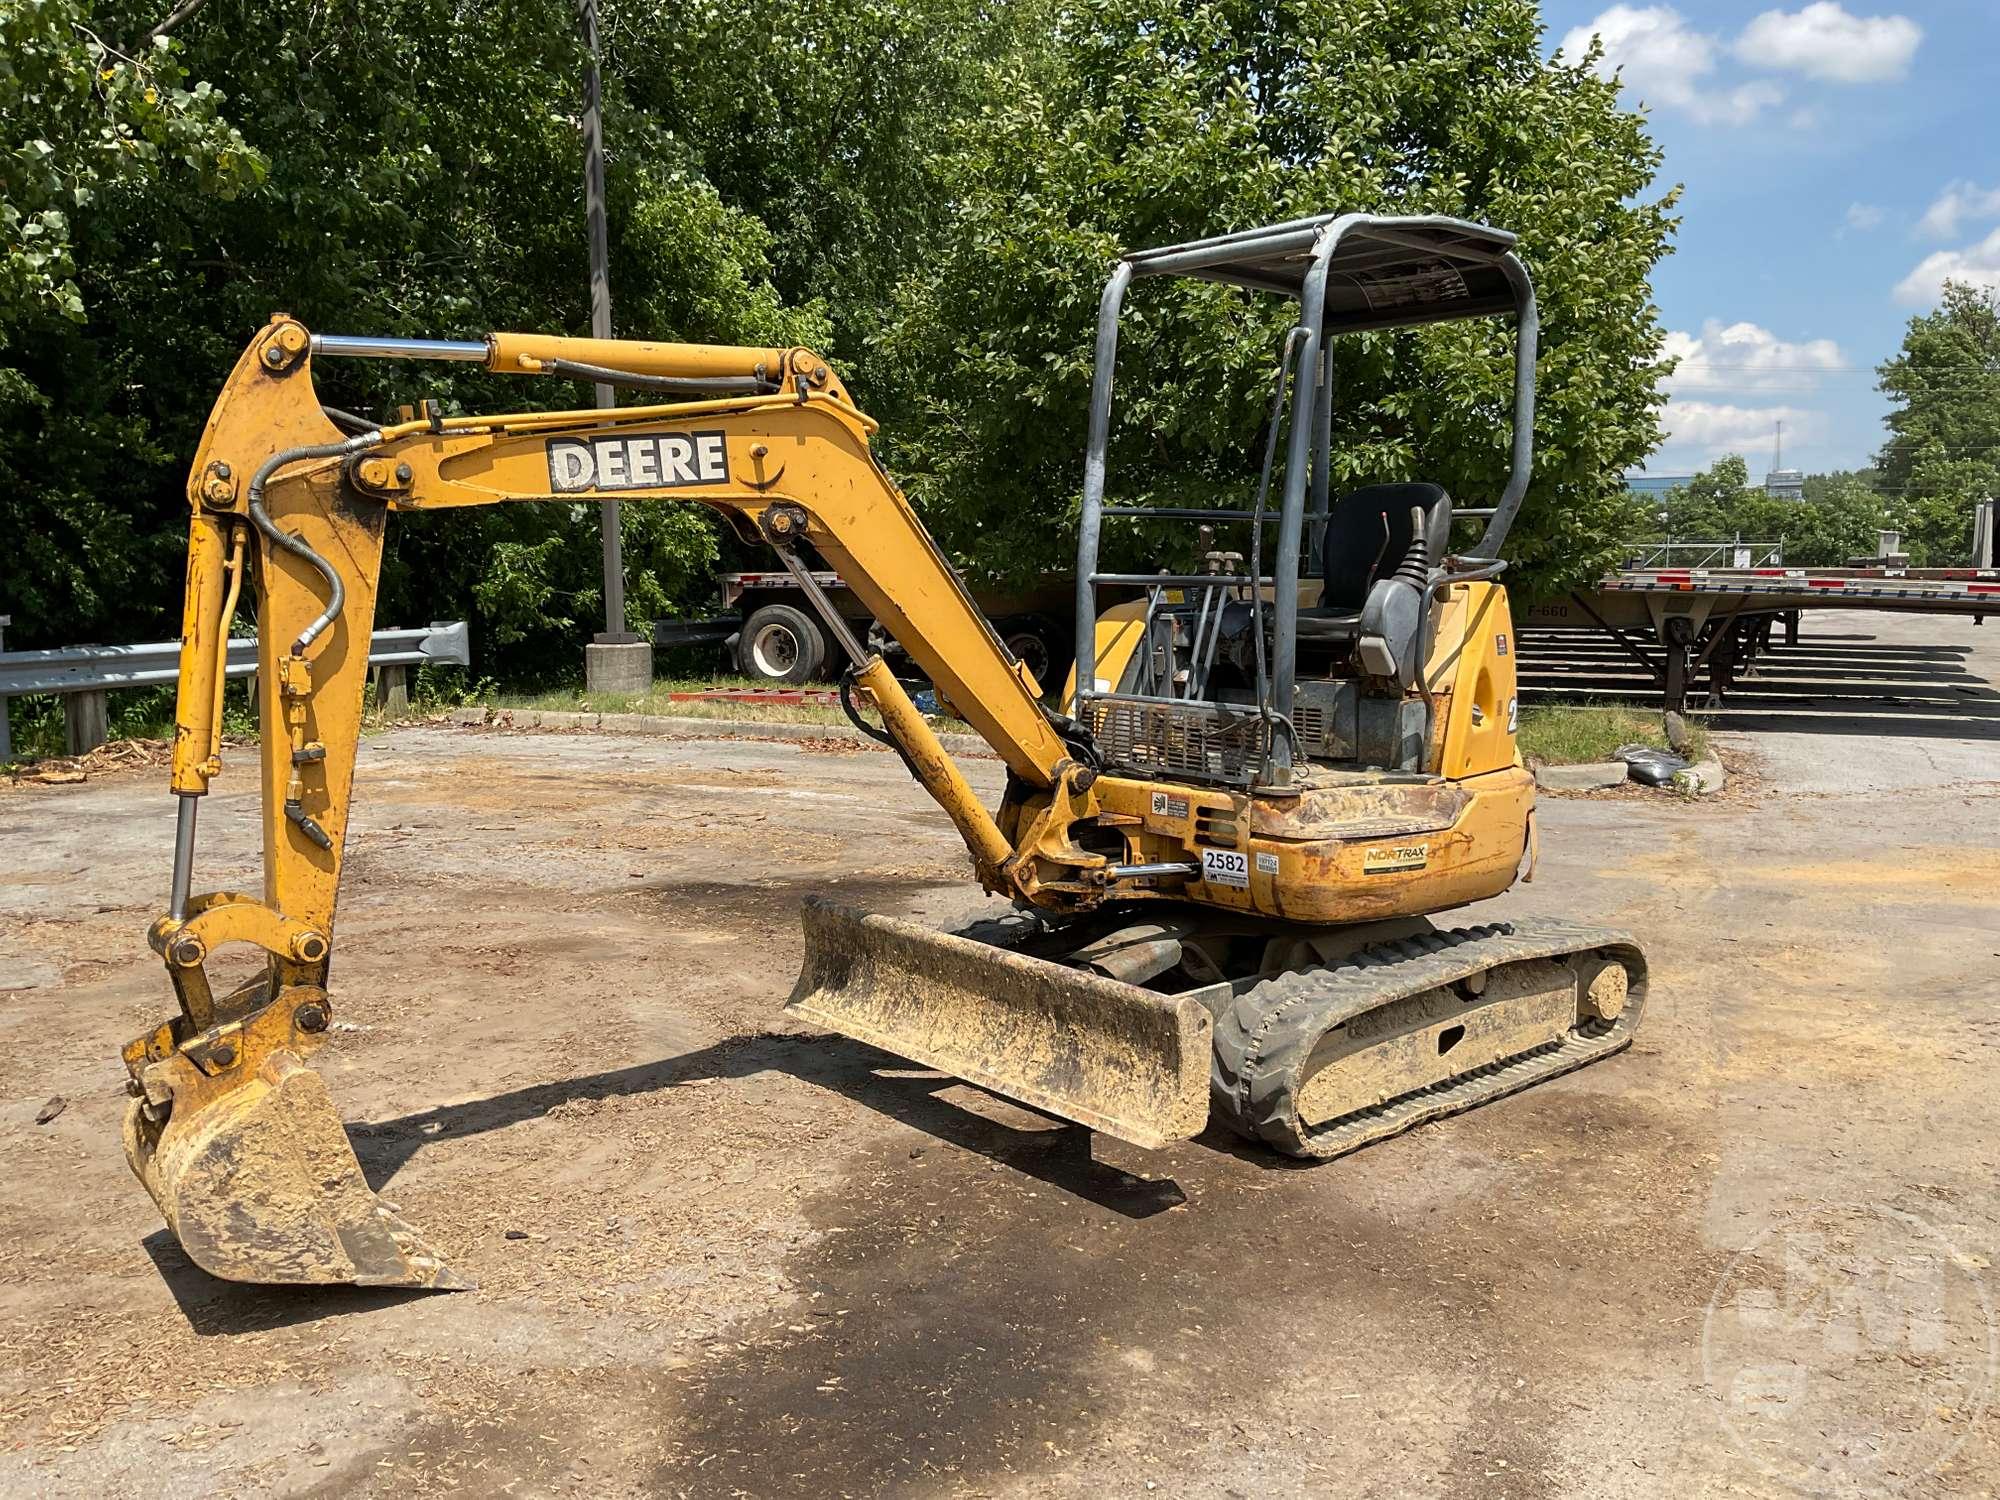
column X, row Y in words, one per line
column 637, row 461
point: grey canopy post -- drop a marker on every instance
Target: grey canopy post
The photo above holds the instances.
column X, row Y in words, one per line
column 1091, row 517
column 1528, row 329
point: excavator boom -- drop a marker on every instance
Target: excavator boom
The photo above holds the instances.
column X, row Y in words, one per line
column 235, row 1138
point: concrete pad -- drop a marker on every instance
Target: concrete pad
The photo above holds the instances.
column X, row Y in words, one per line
column 1590, row 776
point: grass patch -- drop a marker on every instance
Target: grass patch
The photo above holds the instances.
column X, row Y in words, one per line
column 1567, row 734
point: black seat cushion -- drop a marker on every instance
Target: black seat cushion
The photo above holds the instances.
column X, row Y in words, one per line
column 1368, row 534
column 1329, row 624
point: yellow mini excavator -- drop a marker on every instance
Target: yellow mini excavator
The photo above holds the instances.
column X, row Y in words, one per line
column 1271, row 768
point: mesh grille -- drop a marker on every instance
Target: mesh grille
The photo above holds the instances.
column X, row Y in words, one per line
column 1190, row 741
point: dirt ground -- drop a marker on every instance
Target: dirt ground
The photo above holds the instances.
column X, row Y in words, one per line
column 718, row 1255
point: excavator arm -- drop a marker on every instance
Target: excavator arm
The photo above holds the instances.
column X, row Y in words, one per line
column 236, row 1139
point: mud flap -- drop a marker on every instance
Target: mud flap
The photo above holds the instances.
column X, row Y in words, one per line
column 259, row 1184
column 1117, row 1058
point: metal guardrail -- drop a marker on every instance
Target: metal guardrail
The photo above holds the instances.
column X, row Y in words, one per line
column 97, row 670
column 1735, row 553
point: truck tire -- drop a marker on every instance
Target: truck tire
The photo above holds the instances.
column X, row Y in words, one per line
column 781, row 644
column 1041, row 644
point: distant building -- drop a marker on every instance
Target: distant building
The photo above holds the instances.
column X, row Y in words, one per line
column 1654, row 484
column 1785, row 484
column 1779, row 484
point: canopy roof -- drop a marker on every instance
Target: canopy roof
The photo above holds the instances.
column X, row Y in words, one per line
column 1385, row 272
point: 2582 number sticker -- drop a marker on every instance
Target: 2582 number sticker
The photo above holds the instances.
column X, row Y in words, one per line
column 1226, row 867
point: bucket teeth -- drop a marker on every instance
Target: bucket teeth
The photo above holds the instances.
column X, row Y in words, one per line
column 259, row 1184
column 1117, row 1058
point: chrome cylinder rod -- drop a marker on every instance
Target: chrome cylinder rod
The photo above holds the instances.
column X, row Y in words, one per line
column 366, row 346
column 177, row 898
column 1142, row 872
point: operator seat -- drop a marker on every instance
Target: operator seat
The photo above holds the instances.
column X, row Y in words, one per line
column 1369, row 532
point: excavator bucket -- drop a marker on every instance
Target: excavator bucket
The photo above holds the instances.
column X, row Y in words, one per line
column 1112, row 1056
column 259, row 1183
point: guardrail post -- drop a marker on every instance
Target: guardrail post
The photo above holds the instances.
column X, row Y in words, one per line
column 392, row 690
column 86, row 721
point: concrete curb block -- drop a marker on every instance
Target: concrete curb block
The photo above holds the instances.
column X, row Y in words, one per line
column 1708, row 776
column 1591, row 776
column 673, row 727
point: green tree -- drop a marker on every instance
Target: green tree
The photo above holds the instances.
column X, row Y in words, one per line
column 86, row 119
column 1837, row 520
column 100, row 117
column 1943, row 452
column 822, row 119
column 1138, row 122
column 424, row 177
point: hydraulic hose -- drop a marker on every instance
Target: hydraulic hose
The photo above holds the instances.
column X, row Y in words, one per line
column 715, row 385
column 336, row 591
column 347, row 419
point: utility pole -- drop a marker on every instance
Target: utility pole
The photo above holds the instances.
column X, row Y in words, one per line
column 616, row 660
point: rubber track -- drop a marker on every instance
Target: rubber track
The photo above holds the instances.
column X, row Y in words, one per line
column 1264, row 1039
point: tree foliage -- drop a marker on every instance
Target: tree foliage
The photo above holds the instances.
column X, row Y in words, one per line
column 1165, row 120
column 1836, row 522
column 87, row 121
column 1943, row 452
column 930, row 191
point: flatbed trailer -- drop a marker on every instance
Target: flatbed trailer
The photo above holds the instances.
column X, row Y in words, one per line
column 1687, row 624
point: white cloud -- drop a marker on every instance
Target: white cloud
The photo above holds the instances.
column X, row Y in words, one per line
column 1864, row 216
column 1959, row 203
column 1978, row 264
column 1699, row 432
column 1823, row 41
column 1666, row 63
column 1712, row 396
column 1740, row 357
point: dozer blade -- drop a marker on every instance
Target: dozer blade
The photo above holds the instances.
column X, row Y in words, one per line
column 259, row 1183
column 1117, row 1058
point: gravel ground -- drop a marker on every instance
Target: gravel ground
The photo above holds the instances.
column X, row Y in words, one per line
column 721, row 1256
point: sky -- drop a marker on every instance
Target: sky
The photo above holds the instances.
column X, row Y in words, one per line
column 1838, row 162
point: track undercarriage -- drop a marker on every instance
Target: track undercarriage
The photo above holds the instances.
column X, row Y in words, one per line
column 1148, row 1023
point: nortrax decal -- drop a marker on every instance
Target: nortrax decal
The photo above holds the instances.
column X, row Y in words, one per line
column 637, row 461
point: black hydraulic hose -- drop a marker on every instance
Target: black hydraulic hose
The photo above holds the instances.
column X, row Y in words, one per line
column 336, row 591
column 679, row 385
column 348, row 420
column 854, row 714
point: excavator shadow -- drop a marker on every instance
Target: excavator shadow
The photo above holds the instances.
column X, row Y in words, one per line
column 1062, row 1158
